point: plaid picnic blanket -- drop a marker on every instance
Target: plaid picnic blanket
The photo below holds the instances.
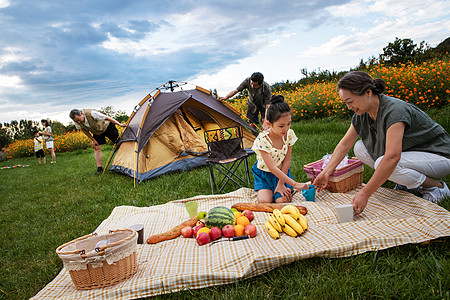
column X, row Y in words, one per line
column 391, row 218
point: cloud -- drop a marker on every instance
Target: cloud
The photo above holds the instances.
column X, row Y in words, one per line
column 356, row 8
column 4, row 3
column 135, row 30
column 78, row 41
column 82, row 52
column 9, row 81
column 399, row 19
column 411, row 9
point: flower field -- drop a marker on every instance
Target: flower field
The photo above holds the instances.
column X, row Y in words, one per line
column 426, row 85
column 66, row 142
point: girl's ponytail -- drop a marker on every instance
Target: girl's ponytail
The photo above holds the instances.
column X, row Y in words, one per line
column 277, row 108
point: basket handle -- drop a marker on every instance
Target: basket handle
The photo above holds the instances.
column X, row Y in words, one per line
column 313, row 171
column 353, row 163
column 78, row 251
column 101, row 250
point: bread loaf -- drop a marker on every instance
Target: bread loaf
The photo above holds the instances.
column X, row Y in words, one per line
column 265, row 207
column 172, row 233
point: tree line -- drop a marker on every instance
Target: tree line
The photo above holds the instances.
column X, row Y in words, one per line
column 396, row 52
column 23, row 129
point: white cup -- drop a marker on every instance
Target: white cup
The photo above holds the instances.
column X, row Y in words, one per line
column 344, row 213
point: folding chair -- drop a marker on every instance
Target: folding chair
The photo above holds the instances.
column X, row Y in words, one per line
column 226, row 154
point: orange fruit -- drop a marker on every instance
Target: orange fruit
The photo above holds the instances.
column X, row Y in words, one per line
column 242, row 221
column 239, row 230
column 237, row 214
column 203, row 229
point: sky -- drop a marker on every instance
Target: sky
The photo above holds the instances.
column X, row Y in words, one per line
column 56, row 55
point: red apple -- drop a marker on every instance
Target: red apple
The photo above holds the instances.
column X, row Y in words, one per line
column 215, row 233
column 187, row 232
column 248, row 214
column 201, row 222
column 197, row 228
column 250, row 230
column 228, row 231
column 203, row 238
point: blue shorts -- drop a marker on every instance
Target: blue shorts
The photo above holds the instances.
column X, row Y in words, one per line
column 267, row 181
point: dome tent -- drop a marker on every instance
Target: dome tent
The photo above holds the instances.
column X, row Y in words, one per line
column 165, row 131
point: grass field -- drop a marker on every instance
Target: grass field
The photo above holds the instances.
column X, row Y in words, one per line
column 44, row 206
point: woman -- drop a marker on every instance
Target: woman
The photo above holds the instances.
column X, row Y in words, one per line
column 401, row 142
column 48, row 137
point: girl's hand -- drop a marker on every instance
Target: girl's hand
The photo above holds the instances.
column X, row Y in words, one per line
column 321, row 181
column 286, row 194
column 301, row 186
column 359, row 202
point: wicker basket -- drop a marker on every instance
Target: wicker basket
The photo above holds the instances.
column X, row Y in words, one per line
column 341, row 180
column 91, row 266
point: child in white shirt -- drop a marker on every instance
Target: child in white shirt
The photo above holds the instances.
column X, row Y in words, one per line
column 38, row 146
column 273, row 147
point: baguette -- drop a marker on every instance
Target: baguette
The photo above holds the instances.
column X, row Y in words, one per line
column 172, row 233
column 265, row 207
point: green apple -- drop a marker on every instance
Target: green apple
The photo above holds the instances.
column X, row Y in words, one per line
column 201, row 215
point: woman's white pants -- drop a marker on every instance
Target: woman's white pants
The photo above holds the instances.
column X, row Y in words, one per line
column 412, row 168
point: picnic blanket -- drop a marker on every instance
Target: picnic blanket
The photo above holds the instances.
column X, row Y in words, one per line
column 391, row 218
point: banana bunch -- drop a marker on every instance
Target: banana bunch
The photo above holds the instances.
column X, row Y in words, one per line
column 288, row 220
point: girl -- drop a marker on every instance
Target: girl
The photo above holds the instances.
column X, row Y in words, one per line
column 48, row 137
column 38, row 146
column 273, row 148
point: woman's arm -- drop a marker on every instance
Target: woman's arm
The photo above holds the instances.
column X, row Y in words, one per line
column 394, row 137
column 45, row 132
column 338, row 155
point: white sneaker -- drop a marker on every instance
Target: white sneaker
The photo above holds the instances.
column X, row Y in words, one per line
column 435, row 194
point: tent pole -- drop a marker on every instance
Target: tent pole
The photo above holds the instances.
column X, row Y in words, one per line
column 136, row 152
column 135, row 160
column 109, row 159
column 115, row 145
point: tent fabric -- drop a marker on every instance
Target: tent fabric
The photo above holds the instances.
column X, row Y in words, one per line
column 165, row 134
column 391, row 218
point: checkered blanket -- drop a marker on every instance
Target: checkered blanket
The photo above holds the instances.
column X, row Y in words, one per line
column 390, row 219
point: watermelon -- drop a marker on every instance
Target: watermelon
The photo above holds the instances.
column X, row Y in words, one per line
column 219, row 217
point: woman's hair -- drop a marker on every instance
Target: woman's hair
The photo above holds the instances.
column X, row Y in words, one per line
column 45, row 122
column 74, row 112
column 277, row 108
column 359, row 82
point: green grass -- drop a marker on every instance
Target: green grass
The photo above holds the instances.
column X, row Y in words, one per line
column 44, row 206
